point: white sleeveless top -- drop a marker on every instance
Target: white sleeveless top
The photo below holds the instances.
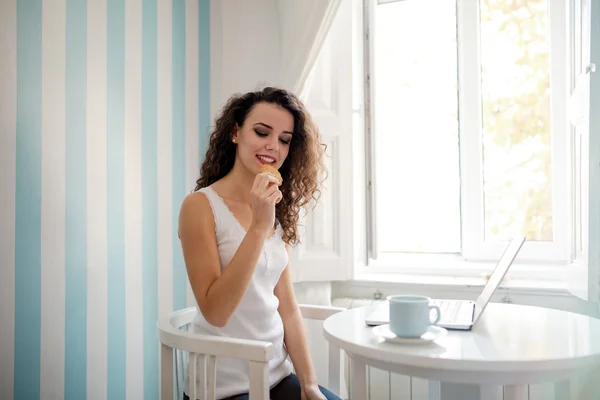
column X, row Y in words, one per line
column 256, row 317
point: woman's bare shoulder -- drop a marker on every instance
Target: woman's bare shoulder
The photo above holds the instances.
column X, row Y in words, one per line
column 195, row 202
column 196, row 213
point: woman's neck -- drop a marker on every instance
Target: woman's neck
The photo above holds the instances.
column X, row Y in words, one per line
column 239, row 183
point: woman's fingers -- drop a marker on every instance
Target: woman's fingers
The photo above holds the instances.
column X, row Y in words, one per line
column 275, row 197
column 270, row 191
column 264, row 180
column 266, row 188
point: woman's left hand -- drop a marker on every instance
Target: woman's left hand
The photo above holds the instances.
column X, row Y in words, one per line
column 312, row 392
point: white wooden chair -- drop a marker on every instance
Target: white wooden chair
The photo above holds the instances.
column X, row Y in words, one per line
column 176, row 339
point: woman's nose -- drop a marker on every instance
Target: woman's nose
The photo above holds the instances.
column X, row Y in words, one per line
column 273, row 144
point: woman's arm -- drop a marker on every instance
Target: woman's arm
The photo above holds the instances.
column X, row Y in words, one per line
column 294, row 331
column 218, row 294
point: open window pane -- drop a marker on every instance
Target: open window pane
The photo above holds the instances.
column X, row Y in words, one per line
column 515, row 87
column 416, row 127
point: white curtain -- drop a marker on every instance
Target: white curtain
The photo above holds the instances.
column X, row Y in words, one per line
column 304, row 25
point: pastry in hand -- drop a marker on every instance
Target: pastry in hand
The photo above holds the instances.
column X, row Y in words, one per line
column 273, row 171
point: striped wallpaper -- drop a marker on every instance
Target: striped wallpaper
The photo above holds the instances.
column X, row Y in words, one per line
column 104, row 112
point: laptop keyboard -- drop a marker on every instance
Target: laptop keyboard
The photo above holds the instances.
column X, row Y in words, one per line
column 449, row 309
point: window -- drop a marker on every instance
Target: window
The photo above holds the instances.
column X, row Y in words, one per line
column 467, row 130
column 585, row 148
column 417, row 195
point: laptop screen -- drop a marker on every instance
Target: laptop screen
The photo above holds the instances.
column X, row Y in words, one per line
column 501, row 268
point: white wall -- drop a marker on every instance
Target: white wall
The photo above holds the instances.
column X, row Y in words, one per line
column 265, row 42
column 245, row 47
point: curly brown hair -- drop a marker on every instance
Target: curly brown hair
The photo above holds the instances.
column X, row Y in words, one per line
column 303, row 170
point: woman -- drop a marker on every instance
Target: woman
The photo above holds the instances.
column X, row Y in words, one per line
column 236, row 230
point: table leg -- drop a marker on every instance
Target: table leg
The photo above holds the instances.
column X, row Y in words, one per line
column 562, row 390
column 358, row 379
column 516, row 392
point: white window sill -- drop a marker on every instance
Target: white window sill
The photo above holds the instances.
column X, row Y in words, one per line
column 368, row 287
column 453, row 271
column 378, row 278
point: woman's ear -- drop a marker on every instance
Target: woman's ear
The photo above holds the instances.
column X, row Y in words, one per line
column 234, row 134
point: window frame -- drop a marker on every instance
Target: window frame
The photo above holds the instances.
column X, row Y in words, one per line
column 477, row 255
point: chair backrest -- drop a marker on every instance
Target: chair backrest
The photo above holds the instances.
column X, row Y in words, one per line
column 202, row 350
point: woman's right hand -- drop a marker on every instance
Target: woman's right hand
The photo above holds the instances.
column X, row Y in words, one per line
column 264, row 195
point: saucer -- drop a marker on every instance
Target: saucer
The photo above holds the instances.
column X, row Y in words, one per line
column 434, row 332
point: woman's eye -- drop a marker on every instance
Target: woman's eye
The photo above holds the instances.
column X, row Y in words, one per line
column 284, row 141
column 261, row 134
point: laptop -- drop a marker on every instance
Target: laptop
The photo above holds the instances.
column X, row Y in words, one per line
column 462, row 314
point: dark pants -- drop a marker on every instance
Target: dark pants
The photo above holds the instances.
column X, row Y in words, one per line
column 287, row 389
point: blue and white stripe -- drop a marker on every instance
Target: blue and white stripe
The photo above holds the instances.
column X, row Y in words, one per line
column 104, row 113
column 8, row 144
column 53, row 197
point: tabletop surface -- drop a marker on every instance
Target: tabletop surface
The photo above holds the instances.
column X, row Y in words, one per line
column 507, row 337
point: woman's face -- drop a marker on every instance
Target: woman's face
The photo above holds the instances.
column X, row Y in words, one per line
column 265, row 137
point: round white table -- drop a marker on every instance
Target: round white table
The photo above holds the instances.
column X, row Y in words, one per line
column 511, row 345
